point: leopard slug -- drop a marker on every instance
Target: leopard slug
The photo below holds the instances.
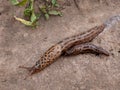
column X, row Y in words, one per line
column 61, row 47
column 86, row 48
column 57, row 50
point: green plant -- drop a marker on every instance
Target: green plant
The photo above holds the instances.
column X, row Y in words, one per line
column 46, row 9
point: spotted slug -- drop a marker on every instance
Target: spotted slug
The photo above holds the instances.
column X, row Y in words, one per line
column 58, row 49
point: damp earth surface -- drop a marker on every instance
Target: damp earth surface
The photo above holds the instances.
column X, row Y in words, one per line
column 21, row 45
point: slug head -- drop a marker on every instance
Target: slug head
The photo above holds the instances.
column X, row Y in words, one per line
column 32, row 70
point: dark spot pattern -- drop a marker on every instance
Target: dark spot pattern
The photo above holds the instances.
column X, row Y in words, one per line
column 67, row 45
column 52, row 54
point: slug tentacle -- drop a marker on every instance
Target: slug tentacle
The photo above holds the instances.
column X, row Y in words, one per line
column 27, row 68
column 31, row 70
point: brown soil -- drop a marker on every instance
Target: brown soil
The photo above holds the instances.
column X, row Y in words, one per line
column 21, row 45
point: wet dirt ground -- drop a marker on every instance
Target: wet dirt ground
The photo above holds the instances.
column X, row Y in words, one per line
column 21, row 45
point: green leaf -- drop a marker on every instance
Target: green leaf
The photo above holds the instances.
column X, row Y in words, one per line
column 22, row 3
column 43, row 9
column 27, row 12
column 53, row 12
column 25, row 22
column 14, row 2
column 17, row 3
column 38, row 15
column 54, row 2
column 47, row 16
column 31, row 4
column 57, row 5
column 33, row 17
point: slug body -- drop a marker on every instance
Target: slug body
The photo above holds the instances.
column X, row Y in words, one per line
column 86, row 48
column 61, row 47
column 81, row 38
